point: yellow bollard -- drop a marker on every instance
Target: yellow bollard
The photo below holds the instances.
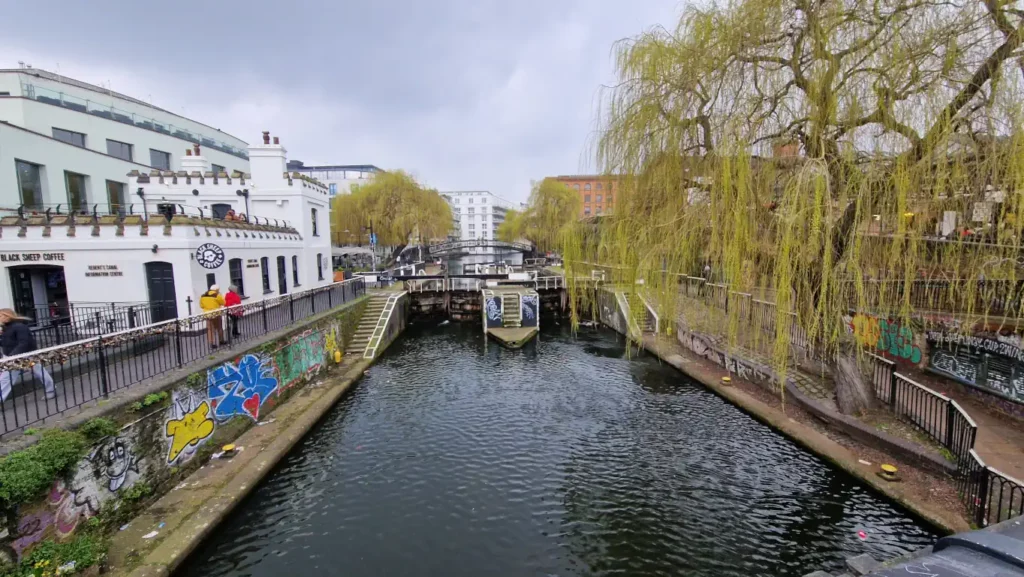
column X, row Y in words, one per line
column 337, row 357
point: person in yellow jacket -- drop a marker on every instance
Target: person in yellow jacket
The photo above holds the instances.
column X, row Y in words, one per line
column 211, row 301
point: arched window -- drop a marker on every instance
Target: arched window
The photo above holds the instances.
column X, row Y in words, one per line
column 576, row 187
column 295, row 270
column 586, row 186
column 599, row 186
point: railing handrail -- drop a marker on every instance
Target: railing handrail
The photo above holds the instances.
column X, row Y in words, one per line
column 922, row 387
column 184, row 320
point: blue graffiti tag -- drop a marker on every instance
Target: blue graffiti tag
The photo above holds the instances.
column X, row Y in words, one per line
column 241, row 390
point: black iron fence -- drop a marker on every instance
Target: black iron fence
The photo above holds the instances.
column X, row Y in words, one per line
column 57, row 324
column 50, row 381
column 990, row 495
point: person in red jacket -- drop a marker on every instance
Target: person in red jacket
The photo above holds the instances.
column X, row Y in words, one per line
column 234, row 314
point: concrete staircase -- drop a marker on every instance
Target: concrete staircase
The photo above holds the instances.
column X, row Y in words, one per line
column 364, row 330
column 512, row 315
column 638, row 310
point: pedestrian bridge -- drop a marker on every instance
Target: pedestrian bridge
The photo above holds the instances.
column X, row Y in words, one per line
column 457, row 246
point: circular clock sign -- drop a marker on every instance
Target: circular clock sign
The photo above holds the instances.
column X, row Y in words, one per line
column 210, row 255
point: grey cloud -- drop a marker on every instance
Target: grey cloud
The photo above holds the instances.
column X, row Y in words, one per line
column 465, row 94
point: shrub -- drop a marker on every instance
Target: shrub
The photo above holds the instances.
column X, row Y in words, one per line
column 26, row 474
column 49, row 557
column 98, row 428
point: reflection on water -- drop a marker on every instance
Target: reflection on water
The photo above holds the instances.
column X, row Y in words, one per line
column 456, row 457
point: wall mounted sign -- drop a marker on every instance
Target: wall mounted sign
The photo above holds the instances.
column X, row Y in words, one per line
column 210, row 255
column 104, row 270
column 31, row 256
column 252, row 263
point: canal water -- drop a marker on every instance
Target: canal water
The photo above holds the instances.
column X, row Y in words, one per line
column 454, row 457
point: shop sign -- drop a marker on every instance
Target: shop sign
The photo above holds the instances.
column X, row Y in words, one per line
column 31, row 256
column 103, row 270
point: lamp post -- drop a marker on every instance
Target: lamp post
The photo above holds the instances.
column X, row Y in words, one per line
column 245, row 194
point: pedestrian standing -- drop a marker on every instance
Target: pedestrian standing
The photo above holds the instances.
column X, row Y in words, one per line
column 211, row 302
column 17, row 339
column 233, row 299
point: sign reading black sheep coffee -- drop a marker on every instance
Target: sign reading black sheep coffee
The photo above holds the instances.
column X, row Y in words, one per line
column 985, row 363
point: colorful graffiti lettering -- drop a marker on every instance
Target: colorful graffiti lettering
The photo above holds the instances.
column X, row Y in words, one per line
column 189, row 426
column 331, row 343
column 886, row 336
column 240, row 390
column 73, row 502
column 31, row 529
column 300, row 358
column 117, row 460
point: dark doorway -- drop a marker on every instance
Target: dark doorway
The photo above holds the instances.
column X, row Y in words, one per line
column 282, row 276
column 220, row 210
column 163, row 303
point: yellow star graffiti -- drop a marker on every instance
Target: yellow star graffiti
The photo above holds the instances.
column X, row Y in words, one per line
column 189, row 430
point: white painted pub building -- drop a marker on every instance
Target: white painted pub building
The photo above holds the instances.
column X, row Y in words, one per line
column 169, row 240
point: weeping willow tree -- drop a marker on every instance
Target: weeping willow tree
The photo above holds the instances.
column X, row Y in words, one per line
column 396, row 205
column 552, row 208
column 805, row 152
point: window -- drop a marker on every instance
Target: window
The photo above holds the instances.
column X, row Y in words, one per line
column 609, row 198
column 265, row 272
column 282, row 276
column 115, row 197
column 122, row 150
column 471, row 210
column 319, row 266
column 333, row 187
column 599, row 198
column 599, row 186
column 586, row 186
column 75, row 138
column 599, row 210
column 158, row 159
column 295, row 271
column 235, row 272
column 29, row 183
column 576, row 187
column 586, row 210
column 211, row 279
column 217, row 169
column 312, row 215
column 220, row 210
column 586, row 198
column 75, row 184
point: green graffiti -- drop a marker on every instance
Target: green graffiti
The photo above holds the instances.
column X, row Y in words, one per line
column 300, row 358
column 898, row 341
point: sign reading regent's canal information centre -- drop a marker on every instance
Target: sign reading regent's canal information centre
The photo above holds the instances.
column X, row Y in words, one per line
column 31, row 256
column 103, row 270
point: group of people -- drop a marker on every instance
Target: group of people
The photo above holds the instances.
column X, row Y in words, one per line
column 230, row 215
column 211, row 301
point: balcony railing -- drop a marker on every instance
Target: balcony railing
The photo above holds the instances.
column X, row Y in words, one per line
column 56, row 98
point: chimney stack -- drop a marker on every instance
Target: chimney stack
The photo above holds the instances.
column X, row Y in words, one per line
column 266, row 137
column 276, row 140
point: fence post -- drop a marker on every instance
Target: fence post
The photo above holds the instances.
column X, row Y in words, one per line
column 104, row 385
column 949, row 427
column 330, row 297
column 263, row 308
column 312, row 303
column 177, row 339
column 981, row 505
column 291, row 309
column 892, row 389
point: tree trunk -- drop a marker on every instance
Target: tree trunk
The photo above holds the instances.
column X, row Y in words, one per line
column 853, row 392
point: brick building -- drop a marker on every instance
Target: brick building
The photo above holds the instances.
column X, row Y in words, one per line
column 597, row 192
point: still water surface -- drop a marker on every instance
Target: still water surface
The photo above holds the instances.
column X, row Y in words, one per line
column 566, row 458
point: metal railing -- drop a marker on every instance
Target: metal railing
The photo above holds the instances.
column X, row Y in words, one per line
column 990, row 495
column 57, row 324
column 163, row 211
column 980, row 297
column 53, row 380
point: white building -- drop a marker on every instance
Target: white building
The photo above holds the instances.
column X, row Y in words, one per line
column 170, row 247
column 66, row 143
column 479, row 213
column 339, row 178
column 456, row 232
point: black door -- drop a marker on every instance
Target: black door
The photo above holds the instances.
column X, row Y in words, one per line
column 163, row 303
column 282, row 276
column 24, row 300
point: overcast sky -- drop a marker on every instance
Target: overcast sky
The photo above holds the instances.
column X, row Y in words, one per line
column 465, row 94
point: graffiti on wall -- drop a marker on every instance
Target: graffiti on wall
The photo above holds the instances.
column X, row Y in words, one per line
column 189, row 426
column 529, row 306
column 954, row 367
column 887, row 336
column 115, row 458
column 75, row 501
column 240, row 389
column 31, row 529
column 331, row 343
column 301, row 357
column 493, row 311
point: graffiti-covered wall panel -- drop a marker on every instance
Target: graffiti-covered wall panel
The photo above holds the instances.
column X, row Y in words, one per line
column 492, row 308
column 157, row 444
column 529, row 307
column 989, row 364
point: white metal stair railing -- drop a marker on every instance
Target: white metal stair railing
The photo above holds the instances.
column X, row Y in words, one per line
column 631, row 325
column 652, row 315
column 382, row 325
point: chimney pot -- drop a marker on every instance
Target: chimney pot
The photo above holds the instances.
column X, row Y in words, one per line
column 277, row 140
column 266, row 137
column 196, row 147
column 188, row 152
